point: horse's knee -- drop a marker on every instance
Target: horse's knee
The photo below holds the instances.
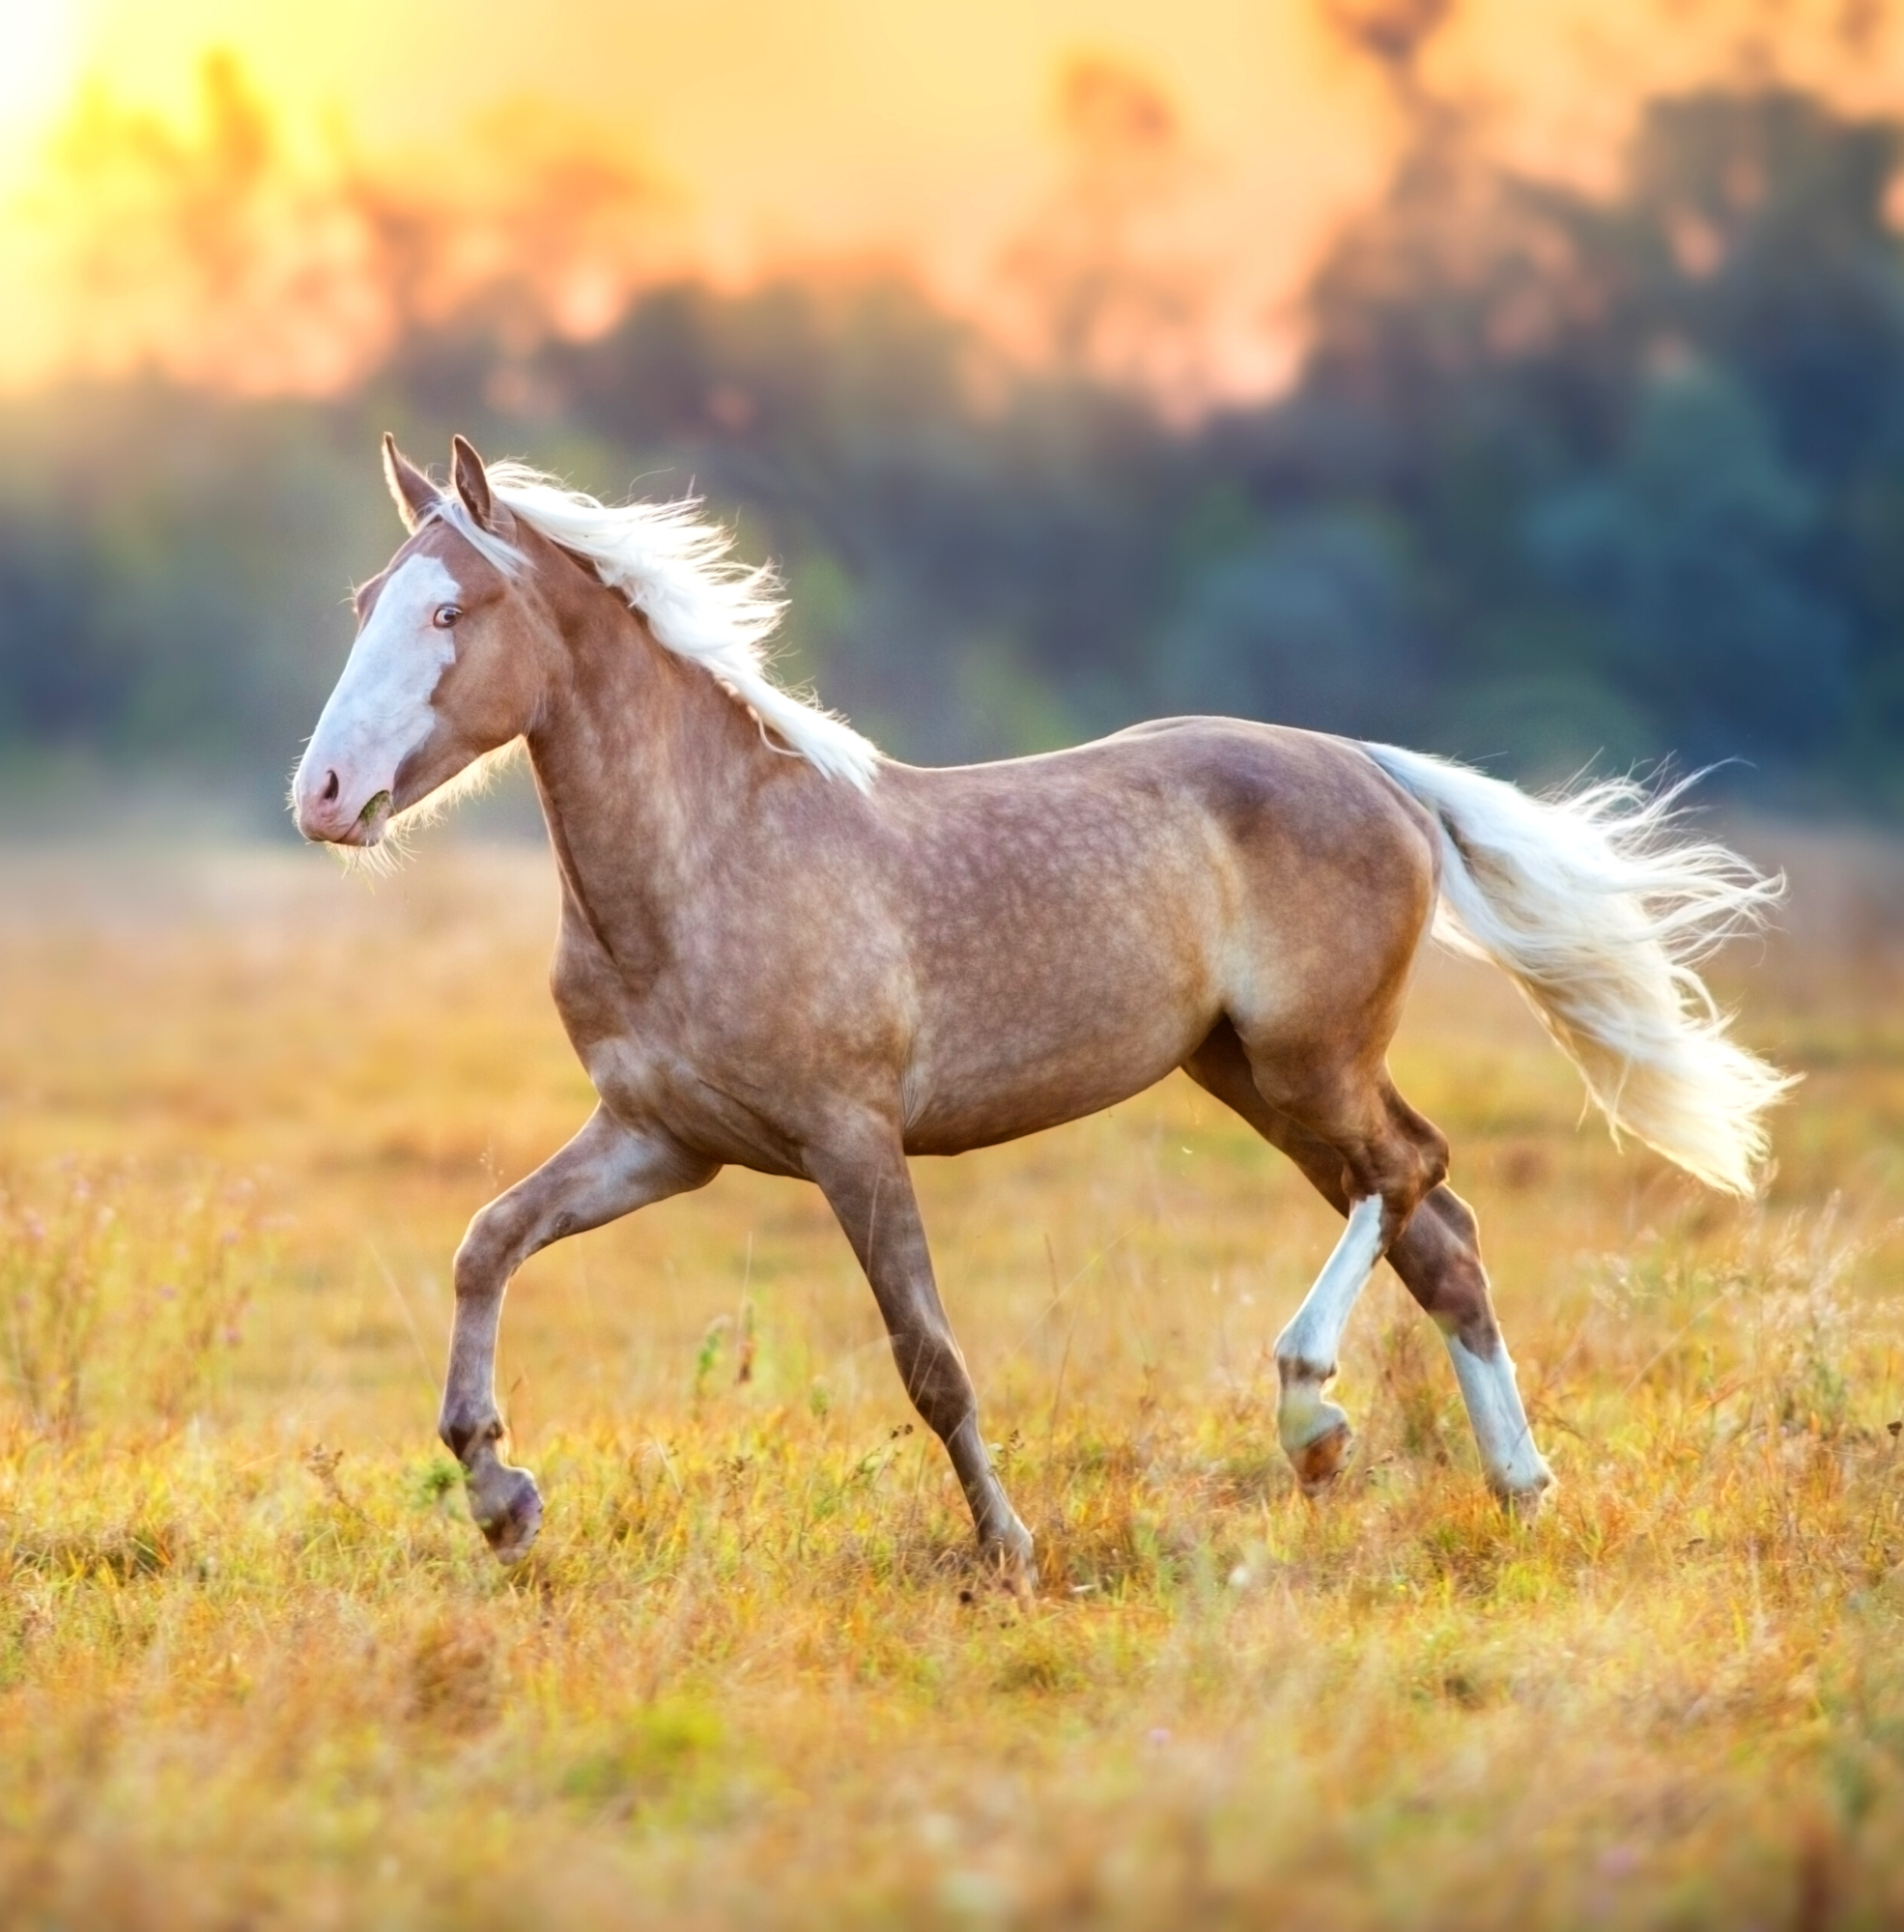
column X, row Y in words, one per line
column 487, row 1251
column 466, row 1423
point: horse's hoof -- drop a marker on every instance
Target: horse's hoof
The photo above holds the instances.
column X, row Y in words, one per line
column 1526, row 1505
column 511, row 1515
column 1012, row 1563
column 1319, row 1463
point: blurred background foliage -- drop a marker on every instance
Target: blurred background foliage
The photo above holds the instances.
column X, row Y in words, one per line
column 1561, row 475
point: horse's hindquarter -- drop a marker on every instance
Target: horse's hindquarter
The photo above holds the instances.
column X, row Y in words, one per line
column 1080, row 922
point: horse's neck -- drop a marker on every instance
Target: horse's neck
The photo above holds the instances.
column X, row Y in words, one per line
column 642, row 762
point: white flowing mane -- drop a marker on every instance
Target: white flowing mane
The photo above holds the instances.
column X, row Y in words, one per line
column 674, row 567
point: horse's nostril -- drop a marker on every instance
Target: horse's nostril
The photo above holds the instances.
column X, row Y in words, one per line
column 328, row 796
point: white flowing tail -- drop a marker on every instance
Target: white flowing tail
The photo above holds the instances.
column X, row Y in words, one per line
column 1599, row 912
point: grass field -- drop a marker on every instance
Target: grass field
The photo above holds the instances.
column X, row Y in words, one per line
column 257, row 1668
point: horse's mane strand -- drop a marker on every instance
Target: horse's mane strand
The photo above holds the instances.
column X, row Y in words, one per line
column 674, row 567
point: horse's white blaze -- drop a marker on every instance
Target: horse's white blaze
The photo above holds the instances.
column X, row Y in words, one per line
column 1306, row 1350
column 379, row 711
column 1515, row 1467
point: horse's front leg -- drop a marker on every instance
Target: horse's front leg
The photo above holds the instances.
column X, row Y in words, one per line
column 866, row 1184
column 607, row 1170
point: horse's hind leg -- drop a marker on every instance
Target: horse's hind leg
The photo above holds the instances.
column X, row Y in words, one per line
column 1437, row 1256
column 1386, row 1157
column 864, row 1179
column 1438, row 1259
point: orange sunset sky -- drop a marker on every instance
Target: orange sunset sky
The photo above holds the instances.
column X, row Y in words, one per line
column 777, row 132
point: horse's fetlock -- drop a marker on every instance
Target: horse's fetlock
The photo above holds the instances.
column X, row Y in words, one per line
column 1294, row 1368
column 461, row 1436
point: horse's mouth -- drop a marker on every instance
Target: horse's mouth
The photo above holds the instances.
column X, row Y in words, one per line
column 368, row 827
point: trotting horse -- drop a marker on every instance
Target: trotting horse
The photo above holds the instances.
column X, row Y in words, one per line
column 781, row 949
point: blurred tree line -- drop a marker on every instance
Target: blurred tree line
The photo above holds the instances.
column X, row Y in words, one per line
column 1560, row 475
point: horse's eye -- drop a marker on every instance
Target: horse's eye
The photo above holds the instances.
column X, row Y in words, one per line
column 446, row 615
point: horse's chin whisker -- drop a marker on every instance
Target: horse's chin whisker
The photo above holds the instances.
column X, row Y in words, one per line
column 381, row 859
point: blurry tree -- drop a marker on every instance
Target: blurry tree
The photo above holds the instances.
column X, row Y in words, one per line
column 1649, row 445
column 1310, row 626
column 1110, row 292
column 216, row 257
column 942, row 502
column 1689, row 545
column 1559, row 474
column 58, row 677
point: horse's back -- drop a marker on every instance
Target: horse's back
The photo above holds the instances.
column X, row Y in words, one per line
column 1198, row 819
column 1081, row 921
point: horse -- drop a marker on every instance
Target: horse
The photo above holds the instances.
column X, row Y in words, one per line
column 781, row 949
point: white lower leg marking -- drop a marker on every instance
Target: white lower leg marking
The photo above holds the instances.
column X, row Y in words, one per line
column 1306, row 1350
column 1513, row 1467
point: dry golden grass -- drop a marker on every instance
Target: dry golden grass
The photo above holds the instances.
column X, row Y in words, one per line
column 256, row 1668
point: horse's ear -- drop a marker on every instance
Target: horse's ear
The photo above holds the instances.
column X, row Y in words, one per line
column 412, row 493
column 471, row 480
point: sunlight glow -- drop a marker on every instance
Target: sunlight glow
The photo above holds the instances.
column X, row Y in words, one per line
column 39, row 47
column 603, row 144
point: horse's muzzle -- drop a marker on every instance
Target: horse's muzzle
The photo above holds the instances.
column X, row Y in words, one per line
column 327, row 815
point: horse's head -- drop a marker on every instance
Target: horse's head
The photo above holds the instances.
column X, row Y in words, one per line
column 444, row 668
